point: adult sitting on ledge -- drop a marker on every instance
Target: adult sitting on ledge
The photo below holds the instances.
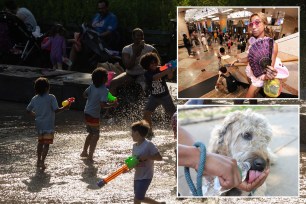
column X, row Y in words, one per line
column 131, row 55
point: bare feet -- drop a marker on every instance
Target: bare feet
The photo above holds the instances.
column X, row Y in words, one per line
column 41, row 164
column 90, row 159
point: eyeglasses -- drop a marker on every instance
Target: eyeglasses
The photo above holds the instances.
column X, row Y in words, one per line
column 256, row 22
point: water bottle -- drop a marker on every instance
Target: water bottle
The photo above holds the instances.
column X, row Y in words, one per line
column 211, row 185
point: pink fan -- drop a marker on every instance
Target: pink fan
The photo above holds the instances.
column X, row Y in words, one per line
column 260, row 55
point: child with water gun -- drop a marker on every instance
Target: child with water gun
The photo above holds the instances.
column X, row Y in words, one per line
column 144, row 154
column 156, row 83
column 147, row 153
column 97, row 97
column 43, row 107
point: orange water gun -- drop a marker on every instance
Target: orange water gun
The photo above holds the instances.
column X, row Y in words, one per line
column 172, row 64
column 130, row 163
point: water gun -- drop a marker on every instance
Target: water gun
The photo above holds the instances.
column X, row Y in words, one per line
column 130, row 163
column 68, row 101
column 111, row 98
column 171, row 64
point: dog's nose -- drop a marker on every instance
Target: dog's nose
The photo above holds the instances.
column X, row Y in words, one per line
column 259, row 164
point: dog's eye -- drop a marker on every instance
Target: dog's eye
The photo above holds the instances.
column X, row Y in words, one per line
column 247, row 136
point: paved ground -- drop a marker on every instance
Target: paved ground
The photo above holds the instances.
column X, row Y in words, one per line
column 68, row 179
column 71, row 180
column 283, row 180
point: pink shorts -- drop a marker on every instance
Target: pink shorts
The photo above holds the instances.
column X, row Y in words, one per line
column 257, row 82
column 282, row 72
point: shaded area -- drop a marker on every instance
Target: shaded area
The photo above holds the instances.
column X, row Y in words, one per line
column 199, row 89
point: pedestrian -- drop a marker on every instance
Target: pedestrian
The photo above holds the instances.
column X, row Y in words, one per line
column 57, row 44
column 187, row 44
column 43, row 107
column 96, row 95
column 156, row 82
column 147, row 153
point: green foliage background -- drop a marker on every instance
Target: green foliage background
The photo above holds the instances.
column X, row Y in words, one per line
column 147, row 14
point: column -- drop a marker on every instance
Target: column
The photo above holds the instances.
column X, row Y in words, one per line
column 208, row 24
column 182, row 26
column 223, row 23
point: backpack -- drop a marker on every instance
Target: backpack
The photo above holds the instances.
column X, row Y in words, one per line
column 231, row 83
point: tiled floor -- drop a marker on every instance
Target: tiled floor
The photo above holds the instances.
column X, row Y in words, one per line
column 204, row 65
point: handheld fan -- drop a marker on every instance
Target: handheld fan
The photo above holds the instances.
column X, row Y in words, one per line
column 260, row 55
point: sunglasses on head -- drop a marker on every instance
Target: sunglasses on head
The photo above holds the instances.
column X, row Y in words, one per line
column 256, row 23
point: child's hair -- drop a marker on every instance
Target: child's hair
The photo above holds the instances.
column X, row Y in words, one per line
column 149, row 58
column 222, row 50
column 142, row 127
column 58, row 29
column 184, row 35
column 223, row 70
column 263, row 18
column 41, row 85
column 99, row 76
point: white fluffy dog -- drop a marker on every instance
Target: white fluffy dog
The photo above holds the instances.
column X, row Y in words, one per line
column 244, row 136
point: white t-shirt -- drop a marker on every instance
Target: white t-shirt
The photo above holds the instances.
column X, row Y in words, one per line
column 145, row 169
column 137, row 69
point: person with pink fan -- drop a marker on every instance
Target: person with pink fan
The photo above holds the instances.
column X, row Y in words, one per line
column 261, row 57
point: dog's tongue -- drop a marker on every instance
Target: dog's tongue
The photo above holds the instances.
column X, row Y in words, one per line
column 253, row 175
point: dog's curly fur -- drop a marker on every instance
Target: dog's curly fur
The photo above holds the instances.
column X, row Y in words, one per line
column 244, row 136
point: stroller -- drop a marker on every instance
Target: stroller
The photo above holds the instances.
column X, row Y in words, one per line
column 93, row 51
column 17, row 41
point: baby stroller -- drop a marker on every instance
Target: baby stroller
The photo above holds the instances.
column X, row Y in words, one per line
column 93, row 51
column 16, row 40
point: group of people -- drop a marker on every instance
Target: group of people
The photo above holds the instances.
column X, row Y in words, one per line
column 259, row 29
column 44, row 105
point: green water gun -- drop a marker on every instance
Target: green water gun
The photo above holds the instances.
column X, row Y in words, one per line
column 111, row 98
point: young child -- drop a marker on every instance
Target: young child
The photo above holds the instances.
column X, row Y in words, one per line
column 204, row 42
column 57, row 45
column 146, row 152
column 258, row 26
column 222, row 84
column 220, row 54
column 96, row 95
column 156, row 82
column 229, row 44
column 43, row 107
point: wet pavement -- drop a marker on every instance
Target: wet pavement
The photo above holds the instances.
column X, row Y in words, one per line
column 68, row 179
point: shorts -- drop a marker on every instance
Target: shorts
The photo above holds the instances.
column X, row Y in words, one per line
column 165, row 101
column 257, row 82
column 45, row 137
column 141, row 187
column 92, row 125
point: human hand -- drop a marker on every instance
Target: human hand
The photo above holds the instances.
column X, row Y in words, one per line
column 245, row 186
column 115, row 103
column 271, row 72
column 233, row 63
column 225, row 168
